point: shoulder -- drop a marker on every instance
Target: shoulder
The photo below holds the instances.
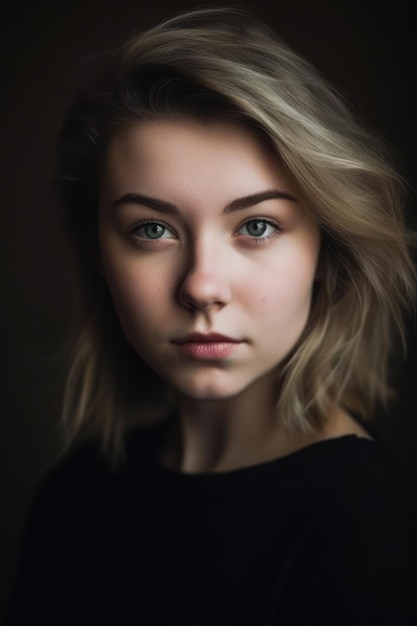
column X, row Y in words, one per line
column 354, row 485
column 363, row 484
column 85, row 472
column 67, row 479
column 358, row 464
column 366, row 534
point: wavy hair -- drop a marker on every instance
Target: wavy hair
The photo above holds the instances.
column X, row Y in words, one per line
column 224, row 64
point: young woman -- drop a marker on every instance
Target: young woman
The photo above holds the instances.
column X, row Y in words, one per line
column 245, row 266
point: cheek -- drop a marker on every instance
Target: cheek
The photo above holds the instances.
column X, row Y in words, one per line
column 281, row 293
column 137, row 296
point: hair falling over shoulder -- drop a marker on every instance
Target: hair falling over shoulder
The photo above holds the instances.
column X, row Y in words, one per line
column 223, row 64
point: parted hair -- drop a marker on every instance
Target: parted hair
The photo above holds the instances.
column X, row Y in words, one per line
column 224, row 64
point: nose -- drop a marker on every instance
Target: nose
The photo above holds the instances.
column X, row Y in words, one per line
column 205, row 283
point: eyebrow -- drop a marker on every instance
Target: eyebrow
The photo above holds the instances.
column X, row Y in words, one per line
column 236, row 205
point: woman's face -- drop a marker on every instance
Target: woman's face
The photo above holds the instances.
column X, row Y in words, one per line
column 208, row 253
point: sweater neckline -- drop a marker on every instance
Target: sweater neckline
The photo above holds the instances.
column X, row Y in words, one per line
column 324, row 449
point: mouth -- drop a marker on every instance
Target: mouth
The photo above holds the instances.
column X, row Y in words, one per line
column 206, row 347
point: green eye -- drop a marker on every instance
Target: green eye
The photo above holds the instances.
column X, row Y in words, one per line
column 258, row 228
column 153, row 230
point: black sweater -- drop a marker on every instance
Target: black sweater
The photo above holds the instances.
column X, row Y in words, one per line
column 327, row 535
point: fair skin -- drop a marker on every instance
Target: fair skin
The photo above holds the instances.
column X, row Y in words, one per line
column 210, row 257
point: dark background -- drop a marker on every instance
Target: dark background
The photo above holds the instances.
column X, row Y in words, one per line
column 367, row 49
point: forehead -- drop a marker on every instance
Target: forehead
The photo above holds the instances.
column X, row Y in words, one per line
column 177, row 157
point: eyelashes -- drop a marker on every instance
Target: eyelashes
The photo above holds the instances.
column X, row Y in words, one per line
column 258, row 228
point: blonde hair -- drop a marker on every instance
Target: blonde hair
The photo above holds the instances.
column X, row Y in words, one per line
column 221, row 63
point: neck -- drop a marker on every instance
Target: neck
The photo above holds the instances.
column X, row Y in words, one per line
column 221, row 435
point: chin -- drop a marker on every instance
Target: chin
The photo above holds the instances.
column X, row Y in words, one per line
column 208, row 390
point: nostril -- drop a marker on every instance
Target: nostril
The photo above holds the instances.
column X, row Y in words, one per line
column 201, row 291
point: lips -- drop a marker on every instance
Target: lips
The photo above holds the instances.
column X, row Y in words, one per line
column 205, row 338
column 211, row 346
